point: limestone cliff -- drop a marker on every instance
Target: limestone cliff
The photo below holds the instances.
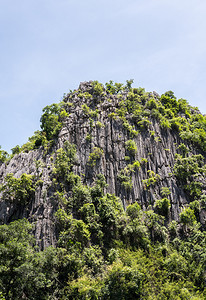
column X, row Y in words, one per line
column 121, row 136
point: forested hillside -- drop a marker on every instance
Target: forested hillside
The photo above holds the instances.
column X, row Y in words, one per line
column 107, row 200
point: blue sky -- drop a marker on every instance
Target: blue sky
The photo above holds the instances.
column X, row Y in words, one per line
column 48, row 47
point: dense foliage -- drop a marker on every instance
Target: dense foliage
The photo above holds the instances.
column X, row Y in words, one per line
column 103, row 252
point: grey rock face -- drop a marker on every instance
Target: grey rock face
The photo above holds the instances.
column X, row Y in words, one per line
column 156, row 149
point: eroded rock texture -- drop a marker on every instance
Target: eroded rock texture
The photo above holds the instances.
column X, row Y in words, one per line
column 155, row 151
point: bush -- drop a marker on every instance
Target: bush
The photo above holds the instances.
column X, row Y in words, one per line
column 164, row 123
column 99, row 124
column 89, row 215
column 93, row 259
column 162, row 206
column 169, row 101
column 137, row 235
column 165, row 191
column 3, row 155
column 152, row 104
column 187, row 216
column 50, row 121
column 110, row 210
column 98, row 88
column 18, row 190
column 81, row 195
column 94, row 156
column 153, row 178
column 123, row 283
column 113, row 88
column 16, row 150
column 185, row 167
column 76, row 233
column 125, row 178
column 131, row 147
column 133, row 210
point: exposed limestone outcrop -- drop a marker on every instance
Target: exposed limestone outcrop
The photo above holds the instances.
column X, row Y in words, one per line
column 156, row 149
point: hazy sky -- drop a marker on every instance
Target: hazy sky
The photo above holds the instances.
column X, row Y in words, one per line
column 48, row 47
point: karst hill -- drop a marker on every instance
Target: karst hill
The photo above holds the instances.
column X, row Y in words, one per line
column 113, row 164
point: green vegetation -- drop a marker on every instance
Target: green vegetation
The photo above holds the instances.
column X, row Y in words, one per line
column 103, row 251
column 99, row 124
column 63, row 168
column 131, row 147
column 51, row 120
column 136, row 109
column 89, row 112
column 3, row 155
column 162, row 206
column 25, row 272
column 125, row 178
column 98, row 88
column 16, row 150
column 117, row 88
column 187, row 216
column 189, row 170
column 151, row 180
column 65, row 159
column 18, row 190
column 165, row 191
column 94, row 156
